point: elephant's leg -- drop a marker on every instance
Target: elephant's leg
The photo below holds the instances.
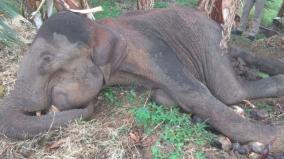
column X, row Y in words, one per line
column 264, row 88
column 271, row 66
column 162, row 98
column 224, row 84
column 199, row 100
column 234, row 90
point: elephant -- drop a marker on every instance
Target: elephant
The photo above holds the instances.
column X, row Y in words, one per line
column 172, row 51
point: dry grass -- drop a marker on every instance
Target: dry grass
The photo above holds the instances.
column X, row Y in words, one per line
column 105, row 137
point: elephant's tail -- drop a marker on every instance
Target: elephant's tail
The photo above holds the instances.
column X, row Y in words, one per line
column 17, row 124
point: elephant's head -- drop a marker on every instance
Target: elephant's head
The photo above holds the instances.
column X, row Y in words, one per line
column 67, row 65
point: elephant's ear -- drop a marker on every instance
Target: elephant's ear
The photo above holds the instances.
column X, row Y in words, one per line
column 109, row 49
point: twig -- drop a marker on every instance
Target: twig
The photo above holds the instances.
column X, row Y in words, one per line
column 53, row 118
column 146, row 101
column 158, row 125
column 280, row 115
column 38, row 9
column 2, row 155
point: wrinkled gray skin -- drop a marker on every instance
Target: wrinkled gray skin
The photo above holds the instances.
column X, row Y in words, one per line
column 175, row 52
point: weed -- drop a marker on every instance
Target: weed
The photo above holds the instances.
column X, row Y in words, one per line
column 165, row 4
column 110, row 9
column 267, row 107
column 131, row 96
column 2, row 91
column 176, row 129
column 199, row 155
column 262, row 75
column 110, row 95
column 156, row 151
column 270, row 11
column 161, row 4
column 187, row 2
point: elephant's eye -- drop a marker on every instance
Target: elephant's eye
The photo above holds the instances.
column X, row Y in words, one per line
column 45, row 64
column 46, row 56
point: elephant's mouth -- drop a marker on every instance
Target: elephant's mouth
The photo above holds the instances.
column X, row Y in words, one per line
column 52, row 109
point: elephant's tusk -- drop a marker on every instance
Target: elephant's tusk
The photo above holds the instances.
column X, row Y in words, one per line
column 54, row 109
column 86, row 11
column 38, row 113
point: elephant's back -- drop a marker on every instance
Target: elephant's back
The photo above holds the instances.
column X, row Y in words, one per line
column 179, row 35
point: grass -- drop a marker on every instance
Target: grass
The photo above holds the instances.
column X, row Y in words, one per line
column 166, row 3
column 176, row 129
column 199, row 155
column 265, row 106
column 271, row 10
column 260, row 105
column 2, row 91
column 110, row 8
column 187, row 2
column 262, row 75
column 110, row 95
column 173, row 128
column 161, row 4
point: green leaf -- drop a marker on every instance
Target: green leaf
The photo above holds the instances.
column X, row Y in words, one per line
column 262, row 75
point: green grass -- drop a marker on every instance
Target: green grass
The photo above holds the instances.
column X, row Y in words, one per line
column 271, row 10
column 199, row 155
column 176, row 129
column 260, row 105
column 187, row 2
column 110, row 94
column 161, row 4
column 267, row 107
column 110, row 9
column 2, row 91
column 262, row 75
column 165, row 3
column 173, row 128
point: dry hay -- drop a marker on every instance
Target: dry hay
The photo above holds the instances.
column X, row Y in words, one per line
column 275, row 41
column 100, row 139
column 8, row 67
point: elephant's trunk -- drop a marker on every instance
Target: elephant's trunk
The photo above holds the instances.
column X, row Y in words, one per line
column 16, row 123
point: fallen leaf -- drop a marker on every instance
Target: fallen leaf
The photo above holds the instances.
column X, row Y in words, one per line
column 134, row 136
column 248, row 103
column 56, row 144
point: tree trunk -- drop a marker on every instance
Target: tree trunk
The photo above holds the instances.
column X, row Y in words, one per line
column 281, row 11
column 145, row 4
column 214, row 8
column 216, row 13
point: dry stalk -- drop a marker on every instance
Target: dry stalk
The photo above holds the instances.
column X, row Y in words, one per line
column 229, row 9
column 229, row 13
column 145, row 4
column 206, row 6
column 38, row 9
